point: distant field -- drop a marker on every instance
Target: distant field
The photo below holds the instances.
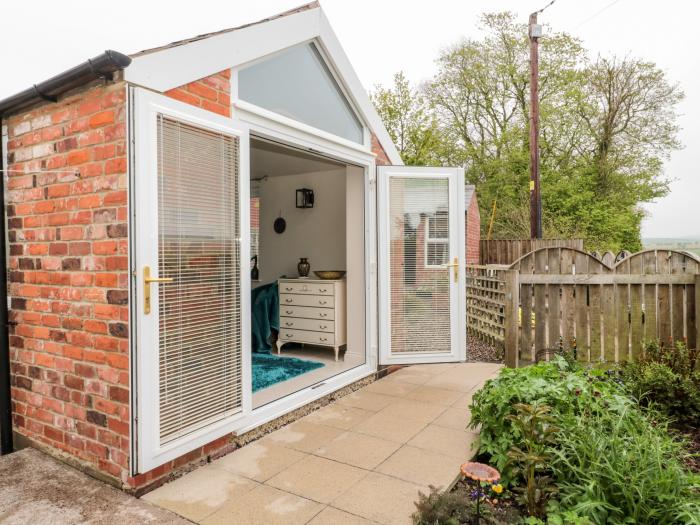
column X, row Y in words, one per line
column 691, row 245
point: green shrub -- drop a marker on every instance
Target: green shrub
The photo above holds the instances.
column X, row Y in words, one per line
column 623, row 468
column 445, row 508
column 613, row 462
column 668, row 379
column 566, row 388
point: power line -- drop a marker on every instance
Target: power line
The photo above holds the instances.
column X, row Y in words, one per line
column 596, row 14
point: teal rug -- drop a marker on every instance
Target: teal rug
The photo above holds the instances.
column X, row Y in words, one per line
column 269, row 369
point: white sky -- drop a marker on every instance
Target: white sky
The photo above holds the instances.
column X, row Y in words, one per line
column 40, row 38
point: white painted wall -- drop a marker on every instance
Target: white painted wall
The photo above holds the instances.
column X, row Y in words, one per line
column 318, row 233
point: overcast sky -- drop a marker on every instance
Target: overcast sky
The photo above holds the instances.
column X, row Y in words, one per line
column 40, row 38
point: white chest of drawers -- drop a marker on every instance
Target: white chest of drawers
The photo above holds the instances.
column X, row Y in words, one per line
column 312, row 311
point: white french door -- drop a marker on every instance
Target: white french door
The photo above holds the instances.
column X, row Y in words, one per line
column 421, row 264
column 190, row 209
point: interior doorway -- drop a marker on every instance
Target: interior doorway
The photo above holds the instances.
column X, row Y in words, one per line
column 307, row 215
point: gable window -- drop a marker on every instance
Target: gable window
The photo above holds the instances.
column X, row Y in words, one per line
column 298, row 84
column 437, row 247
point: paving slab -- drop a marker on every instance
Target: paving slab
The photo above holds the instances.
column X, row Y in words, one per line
column 361, row 460
column 37, row 489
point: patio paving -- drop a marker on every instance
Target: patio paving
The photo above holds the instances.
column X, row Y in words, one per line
column 360, row 460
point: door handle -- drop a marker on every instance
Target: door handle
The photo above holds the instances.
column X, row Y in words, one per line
column 455, row 267
column 147, row 280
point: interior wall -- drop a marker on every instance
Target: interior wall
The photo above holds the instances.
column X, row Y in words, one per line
column 316, row 233
column 356, row 230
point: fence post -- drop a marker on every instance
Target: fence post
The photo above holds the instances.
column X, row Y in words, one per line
column 510, row 313
column 697, row 310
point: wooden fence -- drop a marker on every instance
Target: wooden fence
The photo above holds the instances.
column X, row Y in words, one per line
column 565, row 298
column 507, row 251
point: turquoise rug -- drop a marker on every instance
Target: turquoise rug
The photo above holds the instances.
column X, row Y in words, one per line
column 269, row 369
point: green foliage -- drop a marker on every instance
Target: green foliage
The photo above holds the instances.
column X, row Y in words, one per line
column 407, row 117
column 624, row 468
column 531, row 459
column 561, row 385
column 612, row 461
column 446, row 508
column 667, row 379
column 606, row 127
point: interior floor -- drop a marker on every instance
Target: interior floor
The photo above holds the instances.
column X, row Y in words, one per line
column 313, row 353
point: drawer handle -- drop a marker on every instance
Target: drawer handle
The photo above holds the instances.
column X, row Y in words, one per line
column 288, row 300
column 324, row 289
column 287, row 323
column 305, row 288
column 289, row 289
column 324, row 339
column 289, row 311
column 289, row 335
column 323, row 326
column 323, row 315
column 322, row 302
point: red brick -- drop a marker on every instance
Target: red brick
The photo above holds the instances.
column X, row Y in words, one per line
column 102, row 118
column 78, row 157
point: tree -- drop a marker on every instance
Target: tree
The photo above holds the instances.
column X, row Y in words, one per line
column 409, row 121
column 606, row 127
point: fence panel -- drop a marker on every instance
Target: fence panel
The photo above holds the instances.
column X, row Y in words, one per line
column 571, row 300
column 507, row 251
column 485, row 304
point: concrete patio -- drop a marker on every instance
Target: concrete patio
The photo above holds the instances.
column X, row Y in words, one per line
column 360, row 460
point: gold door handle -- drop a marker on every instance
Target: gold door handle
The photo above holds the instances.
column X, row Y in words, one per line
column 455, row 266
column 147, row 280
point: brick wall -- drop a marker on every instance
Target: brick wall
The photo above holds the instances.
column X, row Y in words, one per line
column 473, row 231
column 212, row 93
column 382, row 158
column 67, row 229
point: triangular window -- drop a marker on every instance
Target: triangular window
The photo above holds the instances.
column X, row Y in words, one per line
column 297, row 84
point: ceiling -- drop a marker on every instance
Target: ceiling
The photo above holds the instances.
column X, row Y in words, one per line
column 273, row 160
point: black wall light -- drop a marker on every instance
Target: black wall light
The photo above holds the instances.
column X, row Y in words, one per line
column 305, row 198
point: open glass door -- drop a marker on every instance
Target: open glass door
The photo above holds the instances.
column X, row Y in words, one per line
column 421, row 264
column 190, row 319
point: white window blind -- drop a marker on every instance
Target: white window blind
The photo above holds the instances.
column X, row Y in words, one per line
column 199, row 311
column 420, row 295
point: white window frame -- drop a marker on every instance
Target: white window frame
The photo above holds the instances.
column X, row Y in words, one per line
column 267, row 115
column 434, row 240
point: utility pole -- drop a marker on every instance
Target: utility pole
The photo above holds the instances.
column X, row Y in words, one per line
column 534, row 33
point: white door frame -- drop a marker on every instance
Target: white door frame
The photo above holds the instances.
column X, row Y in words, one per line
column 273, row 129
column 455, row 178
column 145, row 108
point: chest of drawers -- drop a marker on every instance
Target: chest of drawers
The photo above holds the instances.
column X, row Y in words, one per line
column 312, row 311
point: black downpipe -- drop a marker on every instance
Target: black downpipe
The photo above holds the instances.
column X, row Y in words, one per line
column 101, row 66
column 5, row 395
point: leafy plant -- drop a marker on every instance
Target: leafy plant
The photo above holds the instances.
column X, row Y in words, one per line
column 624, row 468
column 565, row 387
column 668, row 379
column 531, row 458
column 613, row 461
column 445, row 508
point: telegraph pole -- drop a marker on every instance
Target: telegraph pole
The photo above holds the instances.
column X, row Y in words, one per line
column 534, row 33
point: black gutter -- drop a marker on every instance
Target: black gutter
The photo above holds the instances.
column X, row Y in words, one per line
column 102, row 66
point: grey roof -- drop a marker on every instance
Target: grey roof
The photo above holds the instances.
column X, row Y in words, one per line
column 469, row 194
column 295, row 10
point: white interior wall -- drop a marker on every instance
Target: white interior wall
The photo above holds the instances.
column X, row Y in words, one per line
column 355, row 249
column 316, row 233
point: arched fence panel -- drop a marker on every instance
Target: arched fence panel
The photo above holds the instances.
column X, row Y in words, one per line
column 566, row 299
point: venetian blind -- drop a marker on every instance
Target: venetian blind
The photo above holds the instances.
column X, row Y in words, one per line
column 199, row 311
column 420, row 294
